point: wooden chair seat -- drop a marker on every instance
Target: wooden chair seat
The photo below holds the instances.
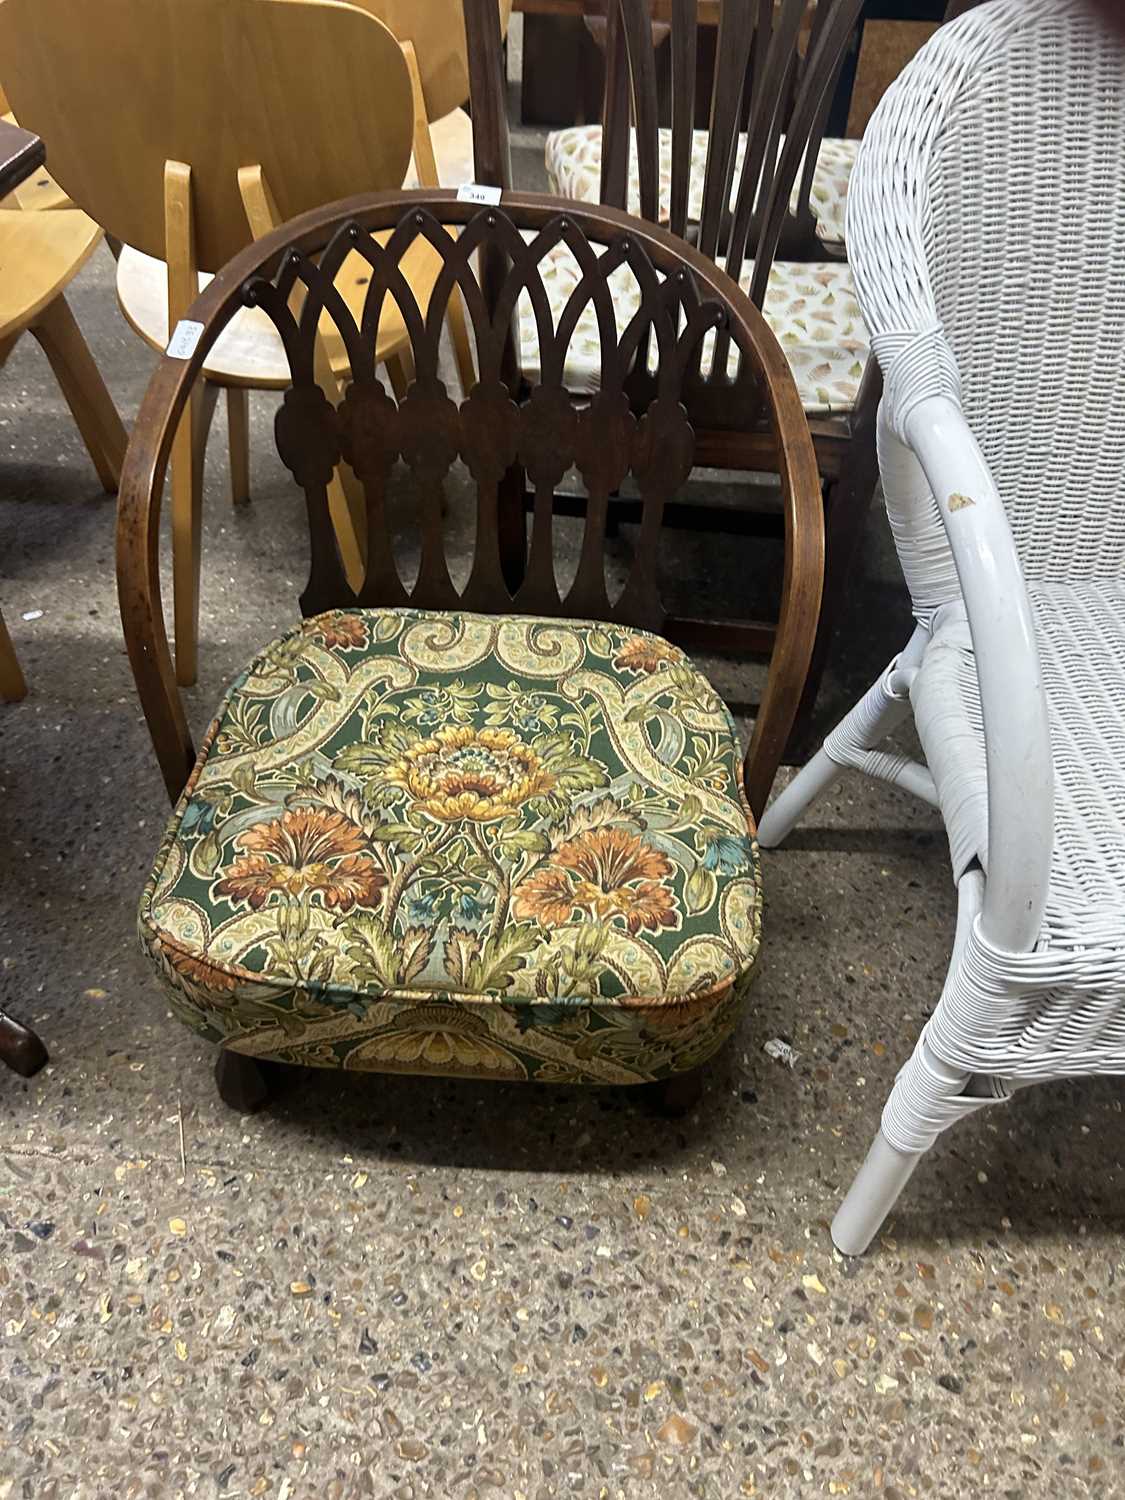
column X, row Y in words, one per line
column 452, row 140
column 40, row 254
column 496, row 876
column 574, row 166
column 811, row 307
column 250, row 352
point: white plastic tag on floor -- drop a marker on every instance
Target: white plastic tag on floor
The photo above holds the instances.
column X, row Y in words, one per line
column 781, row 1052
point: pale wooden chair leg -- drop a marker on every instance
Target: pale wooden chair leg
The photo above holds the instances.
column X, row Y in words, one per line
column 457, row 324
column 238, row 434
column 13, row 687
column 188, row 452
column 81, row 383
column 400, row 368
column 347, row 507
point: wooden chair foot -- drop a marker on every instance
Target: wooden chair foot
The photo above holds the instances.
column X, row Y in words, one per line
column 246, row 1084
column 678, row 1095
column 20, row 1049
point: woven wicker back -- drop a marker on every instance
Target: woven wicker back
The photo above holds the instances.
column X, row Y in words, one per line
column 987, row 203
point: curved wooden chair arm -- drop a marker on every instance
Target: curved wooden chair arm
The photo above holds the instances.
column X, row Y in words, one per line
column 168, row 391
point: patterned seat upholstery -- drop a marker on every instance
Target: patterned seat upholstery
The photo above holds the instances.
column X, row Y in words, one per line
column 812, row 309
column 811, row 306
column 462, row 844
column 574, row 166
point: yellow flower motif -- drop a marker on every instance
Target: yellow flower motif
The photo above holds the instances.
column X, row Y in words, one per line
column 475, row 774
column 438, row 1038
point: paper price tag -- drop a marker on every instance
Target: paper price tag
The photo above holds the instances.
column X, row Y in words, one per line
column 184, row 339
column 477, row 192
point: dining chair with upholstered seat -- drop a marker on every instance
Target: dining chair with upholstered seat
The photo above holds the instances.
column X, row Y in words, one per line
column 749, row 205
column 764, row 192
column 446, row 825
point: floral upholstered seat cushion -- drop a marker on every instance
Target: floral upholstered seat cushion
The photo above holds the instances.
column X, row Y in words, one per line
column 811, row 307
column 463, row 844
column 574, row 167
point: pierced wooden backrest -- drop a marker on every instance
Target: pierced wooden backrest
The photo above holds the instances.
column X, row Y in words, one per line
column 316, row 92
column 437, row 29
column 636, row 425
column 774, row 73
column 685, row 299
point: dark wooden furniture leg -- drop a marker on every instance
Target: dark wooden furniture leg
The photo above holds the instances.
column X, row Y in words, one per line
column 245, row 1083
column 20, row 1049
column 677, row 1096
column 846, row 506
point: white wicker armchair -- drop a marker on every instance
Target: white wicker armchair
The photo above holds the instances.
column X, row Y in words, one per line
column 986, row 230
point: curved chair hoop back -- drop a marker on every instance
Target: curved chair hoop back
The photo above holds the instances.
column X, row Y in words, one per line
column 500, row 429
column 315, row 92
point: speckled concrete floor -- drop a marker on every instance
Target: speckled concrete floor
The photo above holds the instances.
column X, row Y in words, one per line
column 396, row 1287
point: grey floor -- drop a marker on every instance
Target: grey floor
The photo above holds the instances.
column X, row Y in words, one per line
column 397, row 1287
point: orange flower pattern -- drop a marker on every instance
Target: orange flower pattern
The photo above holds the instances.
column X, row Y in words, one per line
column 340, row 631
column 608, row 874
column 644, row 653
column 300, row 852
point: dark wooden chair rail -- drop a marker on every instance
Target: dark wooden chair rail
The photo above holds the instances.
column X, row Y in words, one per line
column 638, row 422
column 765, row 83
column 772, row 79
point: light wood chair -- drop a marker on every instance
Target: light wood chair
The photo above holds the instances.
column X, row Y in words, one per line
column 194, row 161
column 21, row 155
column 40, row 255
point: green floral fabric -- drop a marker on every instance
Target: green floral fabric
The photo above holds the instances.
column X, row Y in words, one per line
column 463, row 844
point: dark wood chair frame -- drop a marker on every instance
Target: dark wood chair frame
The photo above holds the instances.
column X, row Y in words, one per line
column 540, row 435
column 21, row 153
column 766, row 85
column 654, row 369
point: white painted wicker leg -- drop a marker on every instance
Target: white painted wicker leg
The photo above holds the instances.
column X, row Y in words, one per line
column 872, row 1195
column 811, row 780
column 852, row 743
column 929, row 1095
